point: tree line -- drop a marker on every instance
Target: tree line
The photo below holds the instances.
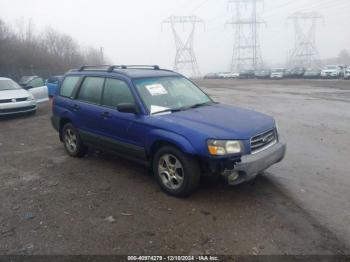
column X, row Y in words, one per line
column 23, row 51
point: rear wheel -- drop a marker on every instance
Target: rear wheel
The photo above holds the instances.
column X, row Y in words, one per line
column 72, row 141
column 177, row 173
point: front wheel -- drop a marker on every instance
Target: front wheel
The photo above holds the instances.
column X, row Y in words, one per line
column 72, row 141
column 177, row 173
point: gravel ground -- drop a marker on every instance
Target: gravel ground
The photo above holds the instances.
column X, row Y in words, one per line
column 54, row 204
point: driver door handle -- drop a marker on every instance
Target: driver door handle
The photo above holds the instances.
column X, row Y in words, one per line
column 106, row 114
column 75, row 107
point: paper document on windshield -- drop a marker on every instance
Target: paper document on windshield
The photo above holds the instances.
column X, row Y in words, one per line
column 157, row 109
column 156, row 89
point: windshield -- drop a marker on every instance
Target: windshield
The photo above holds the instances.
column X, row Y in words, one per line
column 25, row 79
column 331, row 67
column 277, row 70
column 54, row 79
column 160, row 94
column 8, row 84
column 312, row 70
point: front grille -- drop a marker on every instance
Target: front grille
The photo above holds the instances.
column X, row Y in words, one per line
column 16, row 100
column 5, row 100
column 21, row 99
column 17, row 109
column 262, row 141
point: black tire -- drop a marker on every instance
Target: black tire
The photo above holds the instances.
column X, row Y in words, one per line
column 190, row 173
column 80, row 149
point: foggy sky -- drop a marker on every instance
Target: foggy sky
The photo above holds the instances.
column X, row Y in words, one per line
column 130, row 31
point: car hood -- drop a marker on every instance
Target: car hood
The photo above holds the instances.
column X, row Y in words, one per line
column 218, row 121
column 18, row 93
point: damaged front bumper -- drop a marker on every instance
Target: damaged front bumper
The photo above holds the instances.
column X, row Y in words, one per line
column 249, row 166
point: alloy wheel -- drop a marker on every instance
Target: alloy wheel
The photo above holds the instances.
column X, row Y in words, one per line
column 171, row 171
column 70, row 140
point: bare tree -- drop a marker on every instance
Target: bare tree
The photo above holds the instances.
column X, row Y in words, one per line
column 24, row 51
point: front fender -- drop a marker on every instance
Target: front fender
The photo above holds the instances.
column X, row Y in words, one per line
column 169, row 137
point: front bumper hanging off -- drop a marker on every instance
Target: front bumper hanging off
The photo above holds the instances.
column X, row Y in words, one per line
column 254, row 164
column 249, row 166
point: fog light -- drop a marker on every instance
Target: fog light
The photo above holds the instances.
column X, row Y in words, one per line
column 232, row 177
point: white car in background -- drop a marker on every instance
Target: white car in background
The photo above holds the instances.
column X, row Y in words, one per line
column 16, row 100
column 224, row 75
column 278, row 73
column 347, row 72
column 332, row 71
column 234, row 75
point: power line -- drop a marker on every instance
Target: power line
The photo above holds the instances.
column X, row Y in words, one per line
column 199, row 6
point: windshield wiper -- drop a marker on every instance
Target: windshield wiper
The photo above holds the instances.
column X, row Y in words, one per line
column 184, row 108
column 168, row 110
column 201, row 104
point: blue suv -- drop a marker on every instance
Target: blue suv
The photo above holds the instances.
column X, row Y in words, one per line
column 163, row 120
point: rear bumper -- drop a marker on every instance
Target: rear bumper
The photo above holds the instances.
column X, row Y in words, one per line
column 17, row 108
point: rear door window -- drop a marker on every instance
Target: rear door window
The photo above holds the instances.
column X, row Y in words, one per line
column 68, row 85
column 116, row 92
column 37, row 82
column 91, row 90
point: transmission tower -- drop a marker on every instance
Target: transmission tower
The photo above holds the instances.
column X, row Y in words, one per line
column 305, row 52
column 246, row 47
column 185, row 59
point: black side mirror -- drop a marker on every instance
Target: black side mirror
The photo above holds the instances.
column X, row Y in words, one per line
column 28, row 87
column 127, row 108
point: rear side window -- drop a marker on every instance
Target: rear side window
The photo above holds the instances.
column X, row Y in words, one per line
column 116, row 92
column 91, row 90
column 68, row 85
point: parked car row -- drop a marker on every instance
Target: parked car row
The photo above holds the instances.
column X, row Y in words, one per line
column 329, row 71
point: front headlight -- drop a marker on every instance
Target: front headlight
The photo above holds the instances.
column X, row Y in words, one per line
column 224, row 147
column 30, row 97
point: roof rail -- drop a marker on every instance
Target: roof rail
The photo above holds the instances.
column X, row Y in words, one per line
column 154, row 67
column 94, row 67
column 110, row 68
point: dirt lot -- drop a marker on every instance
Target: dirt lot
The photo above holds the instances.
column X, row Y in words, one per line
column 54, row 204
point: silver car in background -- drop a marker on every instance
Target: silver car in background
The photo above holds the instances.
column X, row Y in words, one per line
column 347, row 73
column 14, row 99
